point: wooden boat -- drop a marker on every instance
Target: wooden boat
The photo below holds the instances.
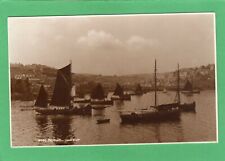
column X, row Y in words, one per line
column 153, row 115
column 61, row 102
column 138, row 90
column 101, row 102
column 98, row 96
column 56, row 110
column 78, row 98
column 102, row 121
column 188, row 89
column 119, row 94
column 81, row 100
column 186, row 107
column 163, row 112
column 98, row 107
column 164, row 90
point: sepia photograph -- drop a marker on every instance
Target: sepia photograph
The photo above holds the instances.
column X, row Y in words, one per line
column 112, row 79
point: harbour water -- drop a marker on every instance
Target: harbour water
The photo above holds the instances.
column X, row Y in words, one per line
column 32, row 129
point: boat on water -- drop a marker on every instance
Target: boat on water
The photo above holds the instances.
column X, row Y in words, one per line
column 76, row 98
column 164, row 90
column 119, row 94
column 103, row 120
column 189, row 90
column 62, row 98
column 138, row 90
column 101, row 102
column 185, row 107
column 99, row 107
column 98, row 96
column 157, row 112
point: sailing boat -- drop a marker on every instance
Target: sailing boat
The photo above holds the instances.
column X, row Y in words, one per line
column 119, row 94
column 78, row 98
column 182, row 107
column 42, row 99
column 61, row 102
column 188, row 89
column 157, row 112
column 185, row 106
column 138, row 90
column 164, row 90
column 98, row 96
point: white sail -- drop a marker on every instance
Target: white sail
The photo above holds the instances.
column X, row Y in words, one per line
column 73, row 91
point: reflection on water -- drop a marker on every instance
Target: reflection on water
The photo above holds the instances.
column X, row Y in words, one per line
column 42, row 123
column 29, row 128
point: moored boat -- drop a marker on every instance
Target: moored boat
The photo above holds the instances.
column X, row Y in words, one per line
column 189, row 90
column 102, row 102
column 102, row 121
column 164, row 90
column 153, row 115
column 138, row 90
column 119, row 94
column 163, row 112
column 98, row 97
column 98, row 107
column 62, row 99
column 188, row 107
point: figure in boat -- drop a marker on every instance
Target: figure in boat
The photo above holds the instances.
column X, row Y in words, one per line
column 119, row 93
column 62, row 98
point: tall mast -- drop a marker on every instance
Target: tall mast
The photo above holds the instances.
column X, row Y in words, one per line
column 178, row 84
column 155, row 86
column 71, row 79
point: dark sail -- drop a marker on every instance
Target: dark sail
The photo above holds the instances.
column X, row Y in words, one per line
column 98, row 92
column 118, row 91
column 138, row 89
column 42, row 99
column 61, row 95
column 188, row 86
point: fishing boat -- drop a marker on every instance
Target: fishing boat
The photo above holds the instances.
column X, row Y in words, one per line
column 189, row 90
column 61, row 102
column 119, row 94
column 138, row 90
column 157, row 112
column 103, row 120
column 98, row 96
column 188, row 107
column 164, row 90
column 102, row 102
column 76, row 98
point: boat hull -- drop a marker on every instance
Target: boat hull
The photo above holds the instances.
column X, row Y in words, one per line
column 191, row 92
column 102, row 121
column 82, row 101
column 122, row 98
column 187, row 107
column 104, row 102
column 64, row 111
column 156, row 116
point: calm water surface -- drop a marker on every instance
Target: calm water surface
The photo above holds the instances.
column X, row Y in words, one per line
column 31, row 129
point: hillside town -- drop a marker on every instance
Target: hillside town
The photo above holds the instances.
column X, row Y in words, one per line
column 28, row 79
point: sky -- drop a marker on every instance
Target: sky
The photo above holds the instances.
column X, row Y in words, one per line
column 113, row 45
